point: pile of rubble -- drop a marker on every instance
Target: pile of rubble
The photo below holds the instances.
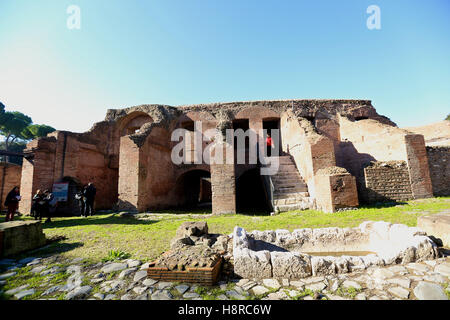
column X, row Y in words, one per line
column 194, row 247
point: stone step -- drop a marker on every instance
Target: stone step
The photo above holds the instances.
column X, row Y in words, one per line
column 287, row 178
column 290, row 195
column 285, row 160
column 293, row 189
column 290, row 207
column 287, row 167
column 291, row 183
column 287, row 174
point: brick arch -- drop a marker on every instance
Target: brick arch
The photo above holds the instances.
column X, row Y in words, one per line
column 257, row 113
column 192, row 116
column 193, row 187
column 133, row 121
column 200, row 167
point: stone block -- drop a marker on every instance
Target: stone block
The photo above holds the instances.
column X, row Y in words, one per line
column 20, row 236
column 437, row 225
column 290, row 265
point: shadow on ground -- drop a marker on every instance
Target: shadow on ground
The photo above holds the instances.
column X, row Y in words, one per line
column 63, row 222
column 48, row 250
column 378, row 205
column 94, row 220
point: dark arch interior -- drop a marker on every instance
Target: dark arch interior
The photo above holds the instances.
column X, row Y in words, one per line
column 194, row 190
column 71, row 206
column 250, row 194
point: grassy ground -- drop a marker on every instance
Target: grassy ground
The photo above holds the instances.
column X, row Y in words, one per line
column 146, row 239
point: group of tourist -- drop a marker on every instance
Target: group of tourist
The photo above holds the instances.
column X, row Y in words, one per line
column 43, row 202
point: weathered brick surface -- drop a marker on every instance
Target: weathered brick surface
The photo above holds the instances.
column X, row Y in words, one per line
column 335, row 191
column 439, row 164
column 419, row 172
column 128, row 156
column 223, row 184
column 10, row 175
column 387, row 183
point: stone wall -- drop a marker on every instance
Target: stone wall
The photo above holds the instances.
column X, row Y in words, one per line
column 439, row 164
column 20, row 236
column 310, row 150
column 386, row 181
column 10, row 175
column 290, row 255
column 368, row 140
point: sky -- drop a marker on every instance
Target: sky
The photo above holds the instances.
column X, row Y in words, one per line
column 179, row 52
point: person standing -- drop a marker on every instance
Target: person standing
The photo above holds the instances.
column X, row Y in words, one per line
column 48, row 197
column 81, row 201
column 269, row 145
column 38, row 203
column 89, row 195
column 12, row 203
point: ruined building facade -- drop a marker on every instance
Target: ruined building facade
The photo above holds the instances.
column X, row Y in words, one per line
column 333, row 154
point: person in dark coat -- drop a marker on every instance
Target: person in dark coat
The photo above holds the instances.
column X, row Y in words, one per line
column 81, row 201
column 38, row 205
column 12, row 203
column 48, row 197
column 89, row 195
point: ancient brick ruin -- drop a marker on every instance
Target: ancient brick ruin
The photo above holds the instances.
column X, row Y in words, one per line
column 330, row 158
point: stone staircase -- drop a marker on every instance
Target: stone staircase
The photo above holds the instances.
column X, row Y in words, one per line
column 290, row 190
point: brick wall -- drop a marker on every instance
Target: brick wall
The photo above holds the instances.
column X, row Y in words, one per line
column 70, row 155
column 10, row 175
column 439, row 164
column 38, row 172
column 223, row 185
column 386, row 181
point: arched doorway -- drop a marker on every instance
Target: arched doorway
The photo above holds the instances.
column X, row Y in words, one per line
column 71, row 206
column 193, row 190
column 250, row 193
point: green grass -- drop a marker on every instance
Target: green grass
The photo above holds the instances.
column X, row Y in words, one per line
column 116, row 255
column 35, row 281
column 348, row 292
column 95, row 237
column 447, row 289
column 304, row 293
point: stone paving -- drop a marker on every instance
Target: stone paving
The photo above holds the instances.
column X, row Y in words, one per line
column 54, row 278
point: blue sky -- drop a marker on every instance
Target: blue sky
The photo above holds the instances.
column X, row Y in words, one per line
column 180, row 52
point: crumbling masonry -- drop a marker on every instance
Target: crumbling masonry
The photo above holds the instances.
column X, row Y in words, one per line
column 333, row 154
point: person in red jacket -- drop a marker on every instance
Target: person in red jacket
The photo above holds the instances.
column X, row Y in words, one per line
column 269, row 144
